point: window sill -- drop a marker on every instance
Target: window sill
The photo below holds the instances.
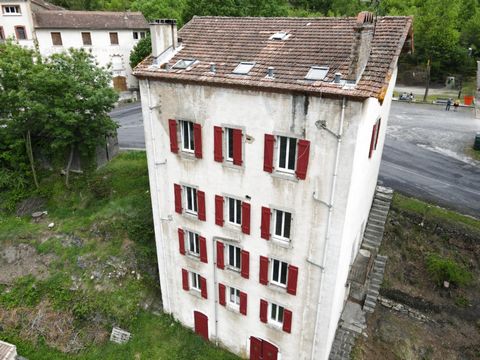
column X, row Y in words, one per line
column 190, row 216
column 233, row 308
column 285, row 176
column 233, row 269
column 281, row 242
column 193, row 256
column 230, row 165
column 187, row 155
column 275, row 326
column 196, row 293
column 277, row 288
column 11, row 14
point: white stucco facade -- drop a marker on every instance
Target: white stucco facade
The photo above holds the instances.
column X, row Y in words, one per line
column 321, row 237
column 24, row 18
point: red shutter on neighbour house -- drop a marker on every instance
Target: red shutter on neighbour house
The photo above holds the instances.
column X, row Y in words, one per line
column 178, row 198
column 303, row 153
column 203, row 249
column 243, row 303
column 265, row 226
column 219, row 210
column 185, row 279
column 181, row 241
column 201, row 206
column 246, row 218
column 172, row 126
column 268, row 153
column 379, row 122
column 197, row 140
column 217, row 143
column 287, row 321
column 220, row 255
column 263, row 270
column 292, row 279
column 203, row 287
column 245, row 271
column 237, row 147
column 221, row 294
column 372, row 141
column 263, row 310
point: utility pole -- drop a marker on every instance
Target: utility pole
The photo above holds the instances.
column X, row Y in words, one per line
column 428, row 81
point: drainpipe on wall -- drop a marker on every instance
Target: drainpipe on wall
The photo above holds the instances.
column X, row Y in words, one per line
column 215, row 290
column 329, row 221
column 152, row 139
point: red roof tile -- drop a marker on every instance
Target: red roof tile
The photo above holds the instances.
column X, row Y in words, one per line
column 327, row 41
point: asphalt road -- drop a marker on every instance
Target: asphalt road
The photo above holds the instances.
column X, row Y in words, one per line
column 423, row 154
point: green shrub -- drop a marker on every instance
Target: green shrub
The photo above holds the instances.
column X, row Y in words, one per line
column 100, row 186
column 442, row 269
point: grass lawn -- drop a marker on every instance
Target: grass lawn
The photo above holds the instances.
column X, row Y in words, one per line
column 64, row 288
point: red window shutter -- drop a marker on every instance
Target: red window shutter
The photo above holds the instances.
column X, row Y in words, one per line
column 268, row 153
column 379, row 122
column 178, row 198
column 185, row 279
column 203, row 287
column 172, row 126
column 263, row 310
column 217, row 143
column 243, row 303
column 263, row 270
column 303, row 153
column 246, row 218
column 265, row 226
column 203, row 249
column 219, row 210
column 181, row 241
column 287, row 321
column 292, row 279
column 372, row 141
column 220, row 255
column 201, row 206
column 245, row 264
column 197, row 140
column 221, row 294
column 237, row 147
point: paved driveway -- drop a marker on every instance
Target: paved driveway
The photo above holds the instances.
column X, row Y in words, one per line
column 423, row 155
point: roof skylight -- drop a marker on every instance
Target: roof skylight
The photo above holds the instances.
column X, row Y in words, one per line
column 281, row 35
column 243, row 68
column 183, row 64
column 317, row 73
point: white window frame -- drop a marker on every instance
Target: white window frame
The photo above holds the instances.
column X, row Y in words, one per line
column 276, row 214
column 142, row 34
column 274, row 311
column 189, row 146
column 18, row 10
column 193, row 241
column 235, row 294
column 228, row 143
column 237, row 211
column 194, row 281
column 191, row 193
column 236, row 260
column 278, row 279
column 286, row 169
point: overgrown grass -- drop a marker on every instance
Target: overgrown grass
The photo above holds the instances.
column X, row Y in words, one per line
column 442, row 269
column 433, row 212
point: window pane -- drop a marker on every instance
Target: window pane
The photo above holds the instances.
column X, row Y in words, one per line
column 231, row 210
column 283, row 275
column 288, row 220
column 280, row 314
column 230, row 143
column 189, row 199
column 237, row 255
column 231, row 255
column 194, row 195
column 273, row 313
column 239, row 212
column 190, row 134
column 275, row 271
column 283, row 152
column 185, row 134
column 292, row 153
column 278, row 222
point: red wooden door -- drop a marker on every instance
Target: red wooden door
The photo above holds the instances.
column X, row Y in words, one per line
column 201, row 324
column 262, row 350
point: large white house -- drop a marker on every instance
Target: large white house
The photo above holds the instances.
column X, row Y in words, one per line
column 264, row 138
column 110, row 36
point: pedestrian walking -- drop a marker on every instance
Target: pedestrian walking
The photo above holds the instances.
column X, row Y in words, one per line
column 449, row 104
column 456, row 104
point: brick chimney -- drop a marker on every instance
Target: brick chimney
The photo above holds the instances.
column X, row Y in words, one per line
column 164, row 35
column 362, row 45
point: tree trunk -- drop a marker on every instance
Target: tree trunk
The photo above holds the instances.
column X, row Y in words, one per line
column 28, row 147
column 428, row 82
column 69, row 165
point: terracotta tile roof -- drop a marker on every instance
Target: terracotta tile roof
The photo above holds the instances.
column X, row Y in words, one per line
column 226, row 41
column 66, row 19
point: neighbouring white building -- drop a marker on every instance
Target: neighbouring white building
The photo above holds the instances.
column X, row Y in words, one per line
column 110, row 36
column 264, row 138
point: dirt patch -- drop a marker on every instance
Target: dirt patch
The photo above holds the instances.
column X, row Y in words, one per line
column 21, row 260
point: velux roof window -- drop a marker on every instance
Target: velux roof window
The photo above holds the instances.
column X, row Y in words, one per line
column 317, row 73
column 281, row 35
column 243, row 68
column 183, row 64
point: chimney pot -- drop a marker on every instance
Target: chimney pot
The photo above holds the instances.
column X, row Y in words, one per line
column 164, row 35
column 338, row 77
